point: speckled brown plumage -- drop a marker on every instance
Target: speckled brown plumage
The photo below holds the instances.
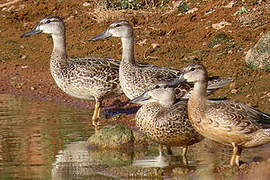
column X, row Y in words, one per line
column 163, row 120
column 136, row 78
column 167, row 125
column 89, row 78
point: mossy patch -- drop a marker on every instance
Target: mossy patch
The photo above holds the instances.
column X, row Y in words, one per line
column 112, row 137
column 219, row 39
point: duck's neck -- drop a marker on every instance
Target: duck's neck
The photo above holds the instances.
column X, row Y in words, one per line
column 59, row 49
column 198, row 95
column 167, row 104
column 128, row 50
column 169, row 100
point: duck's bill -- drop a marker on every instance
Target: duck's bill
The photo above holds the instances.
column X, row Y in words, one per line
column 101, row 36
column 30, row 33
column 179, row 79
column 142, row 99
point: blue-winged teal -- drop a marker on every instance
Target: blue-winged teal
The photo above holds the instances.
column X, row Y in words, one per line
column 136, row 78
column 163, row 120
column 89, row 78
column 224, row 121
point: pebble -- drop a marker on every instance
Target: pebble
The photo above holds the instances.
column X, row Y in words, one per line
column 220, row 25
column 86, row 4
column 234, row 91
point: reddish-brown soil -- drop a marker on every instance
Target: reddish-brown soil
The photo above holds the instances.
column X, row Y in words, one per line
column 163, row 37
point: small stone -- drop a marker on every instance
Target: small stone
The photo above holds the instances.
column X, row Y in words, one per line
column 234, row 91
column 155, row 45
column 23, row 56
column 86, row 4
column 216, row 46
column 220, row 38
column 220, row 25
column 230, row 5
column 192, row 11
column 142, row 42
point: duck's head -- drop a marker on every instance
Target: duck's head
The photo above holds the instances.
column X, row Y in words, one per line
column 49, row 25
column 193, row 73
column 121, row 28
column 162, row 93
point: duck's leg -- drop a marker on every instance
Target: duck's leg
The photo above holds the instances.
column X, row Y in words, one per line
column 184, row 155
column 169, row 151
column 160, row 147
column 235, row 152
column 238, row 154
column 95, row 116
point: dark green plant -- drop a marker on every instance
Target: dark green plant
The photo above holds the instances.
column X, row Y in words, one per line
column 183, row 7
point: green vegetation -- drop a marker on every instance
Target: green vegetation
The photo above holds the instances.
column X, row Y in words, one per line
column 131, row 4
column 183, row 7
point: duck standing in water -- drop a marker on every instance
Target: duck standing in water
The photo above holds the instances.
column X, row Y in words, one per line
column 164, row 120
column 89, row 78
column 224, row 121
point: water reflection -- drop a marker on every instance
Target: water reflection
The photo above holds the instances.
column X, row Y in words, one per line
column 160, row 161
column 76, row 161
column 32, row 133
column 42, row 140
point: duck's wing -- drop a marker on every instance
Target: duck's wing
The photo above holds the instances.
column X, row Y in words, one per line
column 101, row 72
column 235, row 117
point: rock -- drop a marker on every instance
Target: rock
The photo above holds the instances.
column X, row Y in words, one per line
column 220, row 25
column 219, row 39
column 253, row 19
column 234, row 91
column 112, row 137
column 112, row 158
column 258, row 57
column 191, row 11
column 230, row 5
column 86, row 4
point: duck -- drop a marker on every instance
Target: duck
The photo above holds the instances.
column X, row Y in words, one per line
column 137, row 78
column 164, row 119
column 224, row 121
column 89, row 78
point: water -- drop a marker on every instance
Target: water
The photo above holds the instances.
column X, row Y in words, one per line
column 32, row 133
column 42, row 140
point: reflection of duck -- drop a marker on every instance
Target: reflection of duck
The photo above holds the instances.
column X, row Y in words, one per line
column 221, row 120
column 159, row 161
column 77, row 160
column 136, row 78
column 164, row 165
column 89, row 78
column 74, row 161
column 163, row 120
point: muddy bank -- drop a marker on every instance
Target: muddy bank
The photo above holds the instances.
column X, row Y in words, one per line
column 165, row 36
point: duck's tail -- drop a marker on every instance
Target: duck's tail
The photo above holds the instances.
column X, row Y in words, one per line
column 216, row 83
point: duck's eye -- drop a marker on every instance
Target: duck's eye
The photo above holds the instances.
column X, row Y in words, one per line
column 166, row 86
column 178, row 74
column 48, row 21
column 117, row 25
column 192, row 69
column 157, row 86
